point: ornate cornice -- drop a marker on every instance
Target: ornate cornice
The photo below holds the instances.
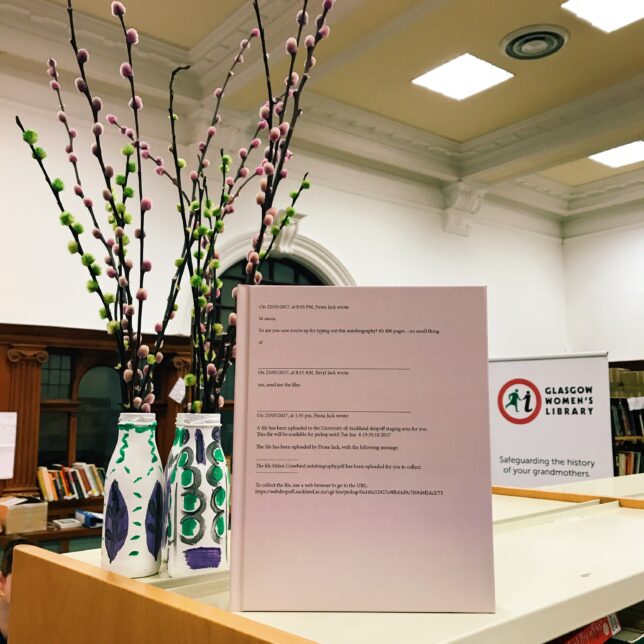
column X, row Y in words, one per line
column 461, row 202
column 31, row 353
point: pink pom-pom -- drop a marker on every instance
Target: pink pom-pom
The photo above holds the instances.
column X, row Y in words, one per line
column 255, row 143
column 257, row 278
column 254, row 33
column 145, row 154
column 111, row 272
column 97, row 129
column 205, row 163
column 253, row 257
column 143, row 351
column 129, row 132
column 118, row 9
column 145, row 407
column 230, row 181
column 110, row 242
column 143, row 145
column 146, row 265
column 232, row 319
column 62, row 117
column 132, row 36
column 94, row 149
column 160, row 170
column 97, row 234
column 111, row 119
column 97, row 104
column 211, row 369
column 158, row 327
column 51, row 71
column 109, row 171
column 146, row 204
column 284, row 128
column 244, row 172
column 268, row 220
column 325, row 30
column 141, row 295
column 302, row 17
column 309, row 42
column 159, row 357
column 274, row 134
column 149, row 399
column 264, row 112
column 72, row 158
column 51, row 62
column 218, row 92
column 73, row 133
column 136, row 103
column 194, row 175
column 107, row 195
column 279, row 107
column 229, row 209
column 259, row 171
column 78, row 190
column 291, row 46
column 129, row 310
column 262, row 125
column 328, row 4
column 82, row 56
column 283, row 173
column 123, row 281
column 119, row 232
column 269, row 168
column 212, row 130
column 202, row 146
column 260, row 198
column 138, row 232
column 243, row 153
column 263, row 184
column 127, row 375
column 88, row 203
column 55, row 85
column 68, row 148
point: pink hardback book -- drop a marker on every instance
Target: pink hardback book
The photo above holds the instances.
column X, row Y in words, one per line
column 361, row 466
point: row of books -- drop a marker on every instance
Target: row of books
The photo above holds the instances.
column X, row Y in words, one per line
column 62, row 483
column 627, row 416
column 629, row 462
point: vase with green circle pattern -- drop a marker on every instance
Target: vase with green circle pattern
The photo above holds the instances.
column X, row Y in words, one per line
column 133, row 502
column 197, row 498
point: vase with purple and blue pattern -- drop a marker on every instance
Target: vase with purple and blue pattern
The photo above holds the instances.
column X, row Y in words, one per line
column 133, row 502
column 197, row 498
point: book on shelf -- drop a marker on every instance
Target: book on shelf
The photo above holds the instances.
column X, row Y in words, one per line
column 79, row 482
column 597, row 632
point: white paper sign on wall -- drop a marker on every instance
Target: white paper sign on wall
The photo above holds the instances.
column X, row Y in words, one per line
column 550, row 420
column 8, row 423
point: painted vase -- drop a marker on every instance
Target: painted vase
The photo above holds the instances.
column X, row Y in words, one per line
column 197, row 497
column 173, row 456
column 133, row 506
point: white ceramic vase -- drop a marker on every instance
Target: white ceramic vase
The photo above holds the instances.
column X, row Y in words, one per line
column 133, row 505
column 197, row 498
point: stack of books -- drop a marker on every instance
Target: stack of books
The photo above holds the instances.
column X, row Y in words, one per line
column 62, row 483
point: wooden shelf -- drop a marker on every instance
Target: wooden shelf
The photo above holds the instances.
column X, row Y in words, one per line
column 628, row 438
column 60, row 509
column 53, row 533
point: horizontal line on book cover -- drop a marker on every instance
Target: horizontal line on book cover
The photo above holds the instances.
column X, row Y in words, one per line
column 331, row 411
column 347, row 368
column 274, row 472
column 277, row 459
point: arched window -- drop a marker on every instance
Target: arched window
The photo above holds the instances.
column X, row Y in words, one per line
column 276, row 272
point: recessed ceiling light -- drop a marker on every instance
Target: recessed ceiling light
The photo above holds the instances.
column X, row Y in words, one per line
column 607, row 15
column 535, row 41
column 462, row 77
column 621, row 156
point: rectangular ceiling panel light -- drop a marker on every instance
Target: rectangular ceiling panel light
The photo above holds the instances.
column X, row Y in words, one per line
column 621, row 156
column 607, row 15
column 462, row 77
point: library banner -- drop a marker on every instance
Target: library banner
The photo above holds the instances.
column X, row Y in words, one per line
column 550, row 420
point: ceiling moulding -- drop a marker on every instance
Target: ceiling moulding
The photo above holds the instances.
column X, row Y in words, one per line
column 620, row 217
column 37, row 30
column 524, row 196
column 607, row 193
column 564, row 133
column 353, row 133
column 461, row 202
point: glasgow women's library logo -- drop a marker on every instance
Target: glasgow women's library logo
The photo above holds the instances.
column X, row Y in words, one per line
column 519, row 401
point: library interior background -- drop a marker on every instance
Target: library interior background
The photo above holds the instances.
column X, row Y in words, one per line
column 163, row 163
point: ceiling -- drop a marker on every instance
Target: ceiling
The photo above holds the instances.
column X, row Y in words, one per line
column 377, row 47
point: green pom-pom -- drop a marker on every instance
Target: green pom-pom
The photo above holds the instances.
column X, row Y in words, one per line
column 225, row 198
column 102, row 313
column 92, row 286
column 112, row 327
column 72, row 247
column 66, row 218
column 207, row 214
column 175, row 307
column 275, row 230
column 202, row 302
column 262, row 254
column 96, row 269
column 131, row 166
column 219, row 226
column 58, row 185
column 293, row 195
column 174, row 117
column 181, row 163
column 151, row 359
column 120, row 208
column 195, row 281
column 204, row 288
column 208, row 204
column 179, row 262
column 218, row 328
column 77, row 227
column 87, row 259
column 198, row 254
column 30, row 136
column 111, row 220
column 127, row 150
column 127, row 218
column 214, row 264
column 217, row 212
column 197, row 405
column 190, row 379
column 194, row 206
column 219, row 283
column 125, row 240
column 128, row 192
column 39, row 153
column 179, row 207
column 120, row 180
column 290, row 211
column 202, row 230
column 226, row 159
column 109, row 298
column 306, row 184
